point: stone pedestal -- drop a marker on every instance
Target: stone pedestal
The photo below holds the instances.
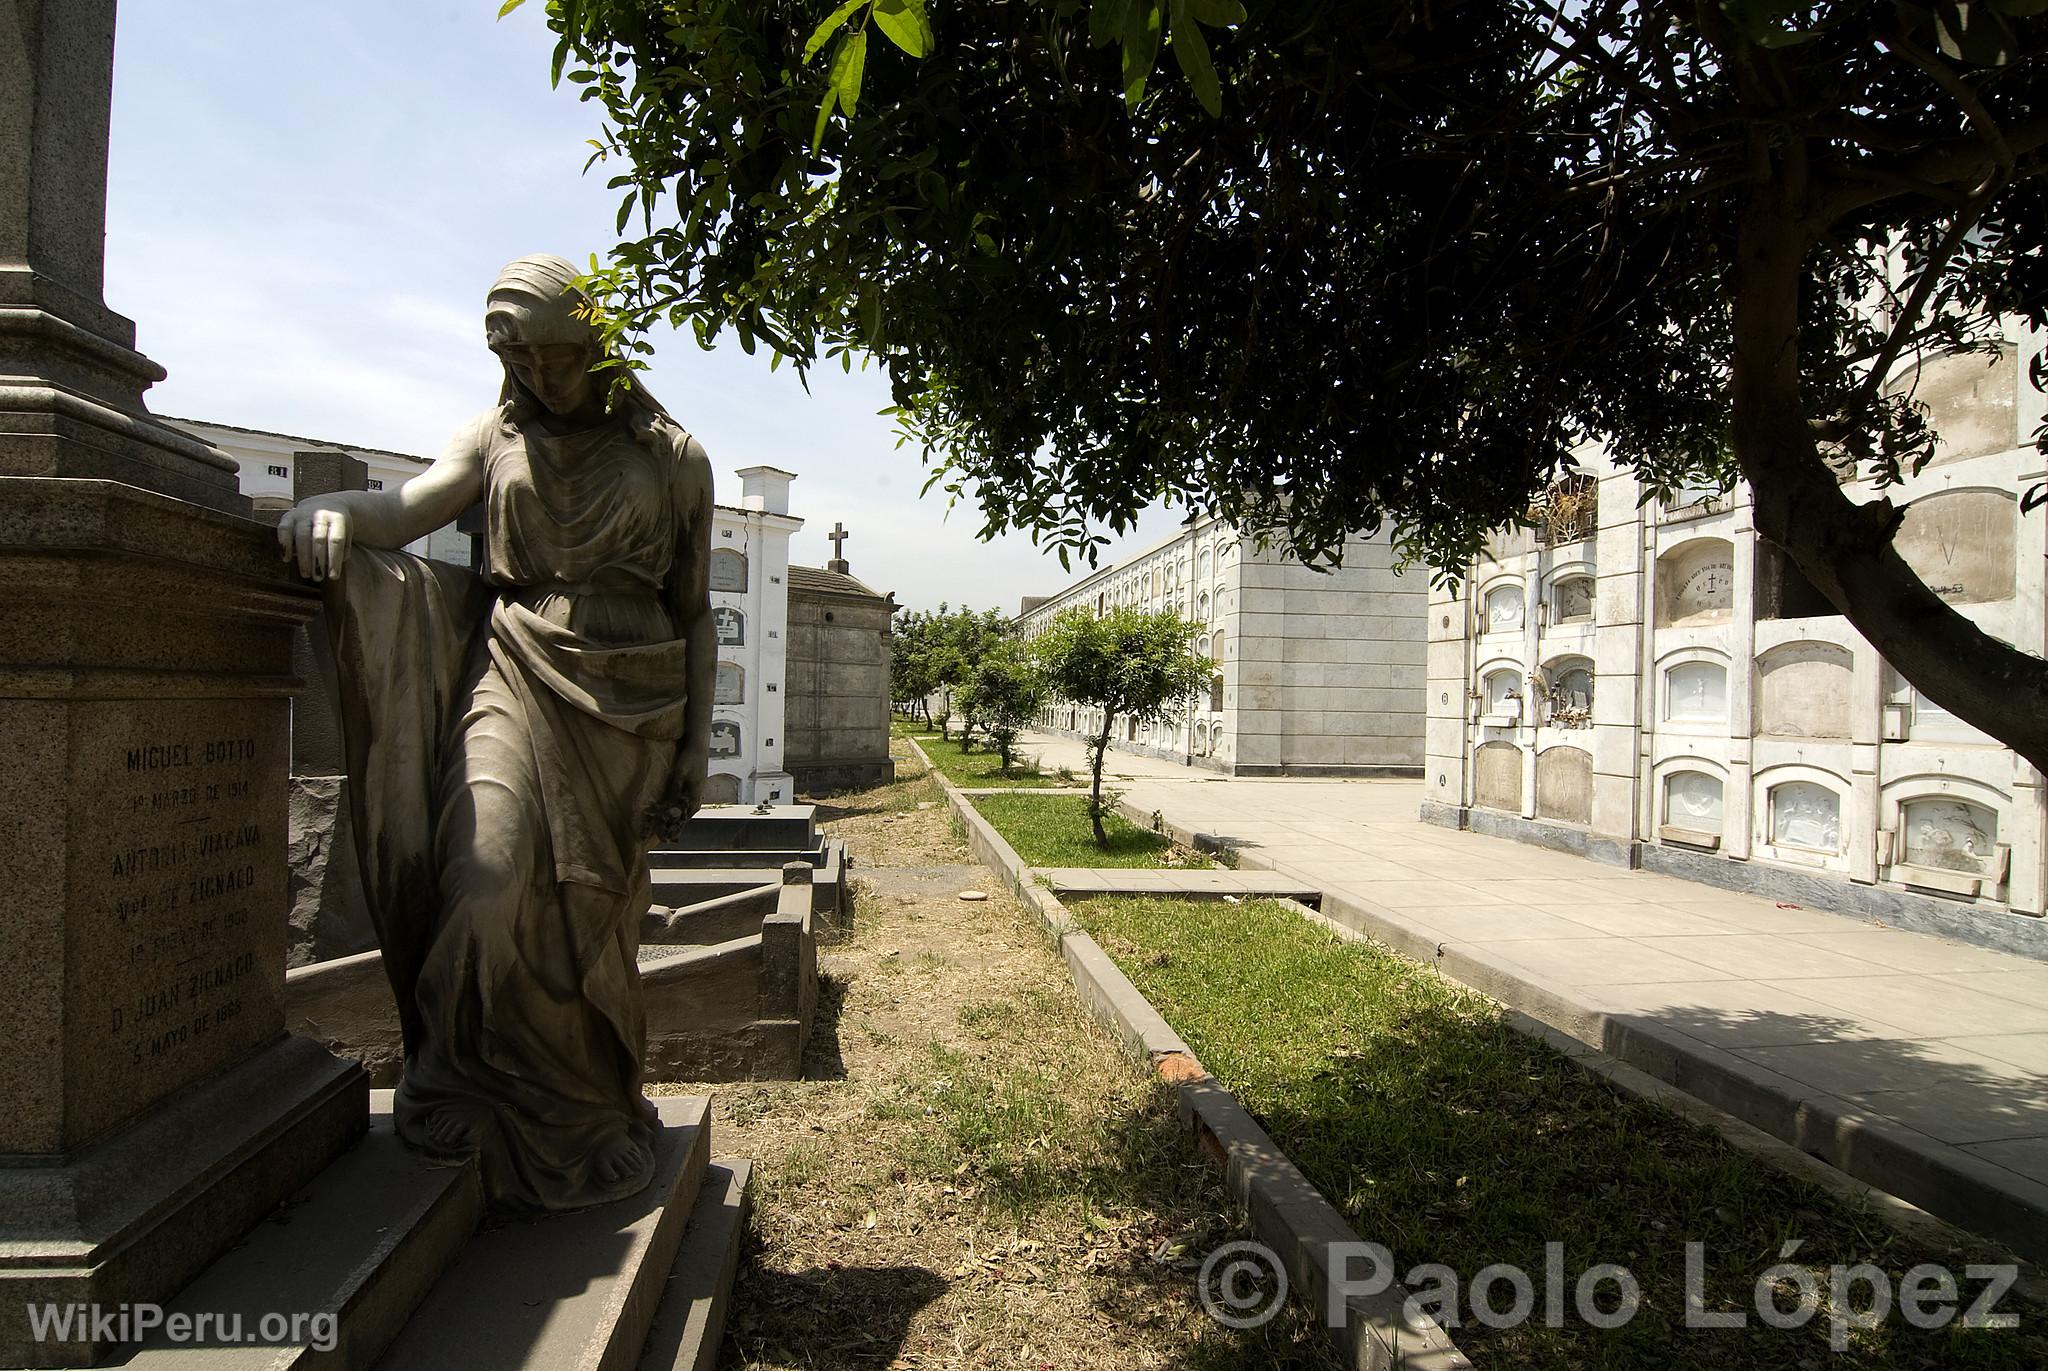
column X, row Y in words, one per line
column 156, row 1107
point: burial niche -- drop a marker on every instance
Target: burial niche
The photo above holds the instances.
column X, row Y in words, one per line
column 1961, row 543
column 1806, row 814
column 1803, row 691
column 1696, row 583
column 1502, row 691
column 1692, row 805
column 1502, row 611
column 1949, row 835
column 721, row 788
column 731, row 688
column 1564, row 785
column 725, row 738
column 1568, row 699
column 1696, row 692
column 1571, row 600
column 1782, row 590
column 730, row 626
column 728, row 570
column 1497, row 777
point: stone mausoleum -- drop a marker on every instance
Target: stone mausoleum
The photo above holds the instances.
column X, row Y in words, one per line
column 1653, row 685
column 1314, row 673
column 837, row 708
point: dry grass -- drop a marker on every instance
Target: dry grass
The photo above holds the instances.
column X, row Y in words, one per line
column 974, row 1175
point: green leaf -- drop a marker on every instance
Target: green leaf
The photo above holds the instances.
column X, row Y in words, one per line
column 1971, row 31
column 1192, row 53
column 1106, row 19
column 848, row 60
column 1141, row 48
column 905, row 24
column 824, row 116
column 508, row 7
column 833, row 23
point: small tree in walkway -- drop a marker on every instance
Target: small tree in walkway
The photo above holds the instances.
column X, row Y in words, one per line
column 1127, row 663
column 1002, row 693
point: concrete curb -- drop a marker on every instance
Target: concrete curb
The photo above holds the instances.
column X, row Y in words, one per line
column 1305, row 1231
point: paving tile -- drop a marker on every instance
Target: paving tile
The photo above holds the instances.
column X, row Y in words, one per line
column 2029, row 986
column 1420, row 895
column 1908, row 951
column 1967, row 1108
column 1759, row 916
column 1875, row 1065
column 1765, row 956
column 1737, row 1013
column 2028, row 1156
column 1924, row 1007
column 1597, row 961
column 1636, row 920
column 1502, row 923
column 2029, row 1051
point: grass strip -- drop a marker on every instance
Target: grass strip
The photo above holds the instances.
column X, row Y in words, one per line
column 1053, row 830
column 1450, row 1138
column 983, row 767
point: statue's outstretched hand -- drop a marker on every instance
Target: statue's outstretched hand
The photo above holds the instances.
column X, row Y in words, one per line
column 316, row 534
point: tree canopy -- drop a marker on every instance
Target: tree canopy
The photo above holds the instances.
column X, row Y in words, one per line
column 1340, row 265
column 1002, row 691
column 1126, row 663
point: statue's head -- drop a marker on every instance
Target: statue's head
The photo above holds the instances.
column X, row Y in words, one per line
column 535, row 323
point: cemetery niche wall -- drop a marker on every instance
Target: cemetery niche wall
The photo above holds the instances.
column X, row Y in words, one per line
column 1740, row 732
column 1315, row 673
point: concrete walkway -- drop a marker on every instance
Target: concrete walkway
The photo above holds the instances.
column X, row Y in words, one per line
column 1916, row 1064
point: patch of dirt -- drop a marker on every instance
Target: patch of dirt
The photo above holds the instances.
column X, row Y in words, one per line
column 972, row 1174
column 904, row 824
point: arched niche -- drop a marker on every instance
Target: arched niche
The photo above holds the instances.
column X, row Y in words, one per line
column 1948, row 833
column 1571, row 599
column 1691, row 802
column 725, row 738
column 1501, row 691
column 1804, row 816
column 1696, row 691
column 731, row 687
column 1497, row 777
column 1962, row 543
column 1564, row 785
column 721, row 788
column 1803, row 690
column 1696, row 583
column 1501, row 609
column 729, row 626
column 728, row 569
column 1568, row 692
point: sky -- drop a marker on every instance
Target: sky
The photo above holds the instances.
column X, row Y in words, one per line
column 308, row 203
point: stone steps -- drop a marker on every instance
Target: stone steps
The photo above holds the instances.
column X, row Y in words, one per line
column 389, row 1247
column 566, row 1292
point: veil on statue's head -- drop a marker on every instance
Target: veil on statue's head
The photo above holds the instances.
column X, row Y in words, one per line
column 535, row 303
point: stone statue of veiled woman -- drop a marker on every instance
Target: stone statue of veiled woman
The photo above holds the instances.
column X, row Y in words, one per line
column 514, row 736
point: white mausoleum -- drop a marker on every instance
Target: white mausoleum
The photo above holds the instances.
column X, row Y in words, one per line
column 1314, row 673
column 1657, row 687
column 749, row 590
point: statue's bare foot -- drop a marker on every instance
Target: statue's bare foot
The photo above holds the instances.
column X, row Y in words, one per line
column 455, row 1129
column 621, row 1158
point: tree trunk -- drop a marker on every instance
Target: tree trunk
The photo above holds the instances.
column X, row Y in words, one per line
column 1095, row 784
column 1845, row 549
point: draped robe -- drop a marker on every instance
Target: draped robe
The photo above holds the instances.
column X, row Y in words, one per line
column 507, row 737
